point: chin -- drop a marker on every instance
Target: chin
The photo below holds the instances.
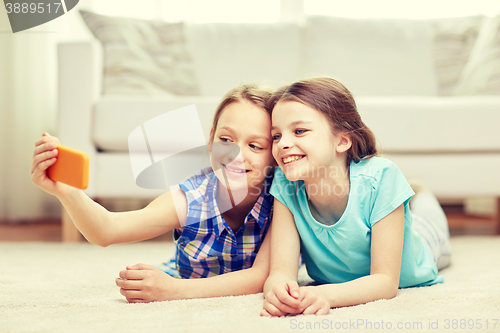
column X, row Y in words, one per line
column 231, row 184
column 291, row 175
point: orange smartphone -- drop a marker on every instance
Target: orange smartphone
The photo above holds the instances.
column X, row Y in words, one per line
column 71, row 167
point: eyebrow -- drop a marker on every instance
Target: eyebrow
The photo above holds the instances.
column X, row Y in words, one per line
column 255, row 136
column 295, row 123
column 227, row 128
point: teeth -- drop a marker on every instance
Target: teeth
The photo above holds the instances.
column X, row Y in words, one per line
column 292, row 158
column 234, row 170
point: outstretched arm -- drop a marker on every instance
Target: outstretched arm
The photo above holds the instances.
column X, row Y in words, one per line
column 145, row 283
column 383, row 281
column 98, row 225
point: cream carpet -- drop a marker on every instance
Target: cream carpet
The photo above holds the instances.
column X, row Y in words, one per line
column 54, row 287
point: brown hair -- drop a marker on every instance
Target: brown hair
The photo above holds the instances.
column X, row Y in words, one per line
column 257, row 95
column 336, row 102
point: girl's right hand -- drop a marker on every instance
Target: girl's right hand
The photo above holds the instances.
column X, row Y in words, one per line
column 44, row 156
column 282, row 299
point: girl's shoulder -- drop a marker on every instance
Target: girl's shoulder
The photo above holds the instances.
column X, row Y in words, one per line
column 199, row 185
column 197, row 179
column 374, row 167
column 379, row 177
column 378, row 174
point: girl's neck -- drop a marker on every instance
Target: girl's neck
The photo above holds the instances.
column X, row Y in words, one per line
column 235, row 205
column 328, row 196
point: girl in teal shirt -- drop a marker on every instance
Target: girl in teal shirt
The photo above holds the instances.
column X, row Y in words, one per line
column 347, row 208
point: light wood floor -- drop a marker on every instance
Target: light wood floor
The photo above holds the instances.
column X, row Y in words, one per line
column 50, row 230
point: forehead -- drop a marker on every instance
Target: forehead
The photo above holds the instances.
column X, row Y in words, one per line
column 245, row 118
column 292, row 112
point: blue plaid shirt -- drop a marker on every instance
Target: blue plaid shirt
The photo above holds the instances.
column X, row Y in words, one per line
column 207, row 246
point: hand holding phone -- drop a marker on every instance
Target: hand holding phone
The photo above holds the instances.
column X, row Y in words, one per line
column 71, row 167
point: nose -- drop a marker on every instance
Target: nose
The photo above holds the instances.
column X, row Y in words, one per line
column 236, row 154
column 284, row 142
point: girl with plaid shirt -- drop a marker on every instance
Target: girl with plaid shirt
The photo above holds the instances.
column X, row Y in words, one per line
column 220, row 216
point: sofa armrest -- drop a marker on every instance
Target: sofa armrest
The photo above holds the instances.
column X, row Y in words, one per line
column 80, row 77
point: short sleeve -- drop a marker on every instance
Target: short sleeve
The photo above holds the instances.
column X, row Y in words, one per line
column 195, row 188
column 390, row 190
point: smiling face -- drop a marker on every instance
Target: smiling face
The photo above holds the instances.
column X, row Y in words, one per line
column 241, row 146
column 303, row 142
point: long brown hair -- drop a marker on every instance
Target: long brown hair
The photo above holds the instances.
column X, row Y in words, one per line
column 257, row 95
column 335, row 101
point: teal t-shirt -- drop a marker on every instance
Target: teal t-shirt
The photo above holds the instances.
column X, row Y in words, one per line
column 341, row 252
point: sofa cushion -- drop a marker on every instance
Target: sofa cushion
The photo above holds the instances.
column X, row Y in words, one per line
column 408, row 124
column 226, row 55
column 481, row 75
column 143, row 57
column 115, row 118
column 372, row 56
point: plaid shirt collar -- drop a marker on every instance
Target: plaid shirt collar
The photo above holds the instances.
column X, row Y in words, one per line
column 259, row 212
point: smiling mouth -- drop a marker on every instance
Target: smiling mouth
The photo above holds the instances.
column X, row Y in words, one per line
column 293, row 158
column 240, row 171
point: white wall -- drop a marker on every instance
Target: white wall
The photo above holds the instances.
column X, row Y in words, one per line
column 28, row 107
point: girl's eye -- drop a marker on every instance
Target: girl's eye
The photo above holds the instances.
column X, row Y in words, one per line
column 276, row 137
column 300, row 131
column 224, row 139
column 255, row 147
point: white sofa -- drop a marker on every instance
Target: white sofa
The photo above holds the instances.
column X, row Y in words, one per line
column 448, row 141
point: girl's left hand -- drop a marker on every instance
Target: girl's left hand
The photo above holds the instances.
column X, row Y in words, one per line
column 143, row 283
column 282, row 299
column 313, row 301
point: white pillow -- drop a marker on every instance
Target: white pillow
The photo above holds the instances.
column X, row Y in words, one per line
column 227, row 55
column 142, row 57
column 454, row 39
column 481, row 75
column 372, row 56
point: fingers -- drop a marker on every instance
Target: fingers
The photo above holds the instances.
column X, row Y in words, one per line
column 290, row 294
column 136, row 300
column 45, row 146
column 45, row 150
column 313, row 304
column 271, row 310
column 128, row 284
column 316, row 309
column 293, row 289
column 279, row 308
column 143, row 267
column 46, row 137
column 133, row 274
column 264, row 313
column 42, row 140
column 283, row 299
column 132, row 294
column 286, row 302
column 43, row 160
column 323, row 311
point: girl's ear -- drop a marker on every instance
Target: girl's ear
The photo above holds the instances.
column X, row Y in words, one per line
column 344, row 144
